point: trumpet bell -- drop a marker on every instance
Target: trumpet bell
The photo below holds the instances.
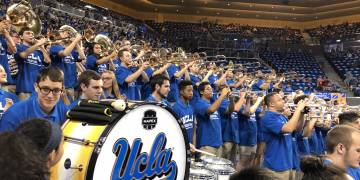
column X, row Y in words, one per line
column 21, row 15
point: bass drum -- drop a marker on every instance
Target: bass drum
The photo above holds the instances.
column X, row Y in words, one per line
column 147, row 141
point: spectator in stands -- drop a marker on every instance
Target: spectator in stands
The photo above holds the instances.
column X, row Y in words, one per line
column 46, row 136
column 19, row 159
column 44, row 104
column 31, row 57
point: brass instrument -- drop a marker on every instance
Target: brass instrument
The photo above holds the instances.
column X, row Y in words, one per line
column 21, row 15
column 105, row 43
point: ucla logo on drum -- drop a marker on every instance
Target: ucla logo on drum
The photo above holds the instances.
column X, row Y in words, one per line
column 149, row 120
column 132, row 164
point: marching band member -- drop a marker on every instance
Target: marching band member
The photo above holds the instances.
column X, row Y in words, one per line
column 248, row 129
column 31, row 58
column 99, row 61
column 65, row 56
column 278, row 156
column 127, row 78
column 7, row 99
column 45, row 104
column 160, row 86
column 7, row 46
column 91, row 87
column 228, row 110
column 185, row 111
column 111, row 87
column 11, row 84
column 208, row 135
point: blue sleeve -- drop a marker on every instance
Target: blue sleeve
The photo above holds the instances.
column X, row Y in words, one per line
column 223, row 106
column 75, row 55
column 149, row 72
column 258, row 84
column 201, row 108
column 19, row 48
column 171, row 71
column 91, row 62
column 55, row 49
column 64, row 110
column 10, row 120
column 122, row 75
column 273, row 124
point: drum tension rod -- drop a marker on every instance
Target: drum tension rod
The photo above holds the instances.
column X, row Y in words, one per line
column 77, row 140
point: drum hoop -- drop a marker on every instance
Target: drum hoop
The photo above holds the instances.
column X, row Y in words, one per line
column 92, row 162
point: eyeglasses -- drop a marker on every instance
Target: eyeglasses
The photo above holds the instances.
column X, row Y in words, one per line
column 46, row 90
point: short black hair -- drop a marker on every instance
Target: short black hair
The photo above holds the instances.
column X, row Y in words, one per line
column 184, row 83
column 348, row 117
column 39, row 131
column 121, row 53
column 157, row 80
column 19, row 159
column 53, row 73
column 254, row 173
column 202, row 85
column 88, row 75
column 268, row 97
column 21, row 32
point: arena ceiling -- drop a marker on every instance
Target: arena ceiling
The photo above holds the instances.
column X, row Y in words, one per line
column 289, row 10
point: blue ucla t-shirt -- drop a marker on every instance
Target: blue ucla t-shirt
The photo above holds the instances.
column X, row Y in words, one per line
column 174, row 83
column 186, row 114
column 196, row 95
column 131, row 90
column 28, row 69
column 67, row 64
column 209, row 126
column 248, row 128
column 278, row 154
column 229, row 123
column 91, row 64
column 354, row 173
column 4, row 58
column 28, row 109
column 3, row 96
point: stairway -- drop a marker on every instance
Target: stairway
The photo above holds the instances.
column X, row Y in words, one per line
column 329, row 70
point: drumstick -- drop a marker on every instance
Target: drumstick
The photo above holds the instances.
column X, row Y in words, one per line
column 204, row 152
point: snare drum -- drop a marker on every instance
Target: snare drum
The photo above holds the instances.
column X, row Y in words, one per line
column 208, row 160
column 146, row 141
column 221, row 172
column 201, row 174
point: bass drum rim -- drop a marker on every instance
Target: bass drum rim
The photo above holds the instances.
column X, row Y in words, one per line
column 94, row 156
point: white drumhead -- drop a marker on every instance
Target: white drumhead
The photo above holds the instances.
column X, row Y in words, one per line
column 141, row 126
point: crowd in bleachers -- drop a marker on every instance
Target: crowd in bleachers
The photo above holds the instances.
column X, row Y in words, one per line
column 347, row 65
column 334, row 32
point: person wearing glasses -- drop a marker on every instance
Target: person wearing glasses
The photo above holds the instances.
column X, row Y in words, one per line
column 31, row 57
column 44, row 104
